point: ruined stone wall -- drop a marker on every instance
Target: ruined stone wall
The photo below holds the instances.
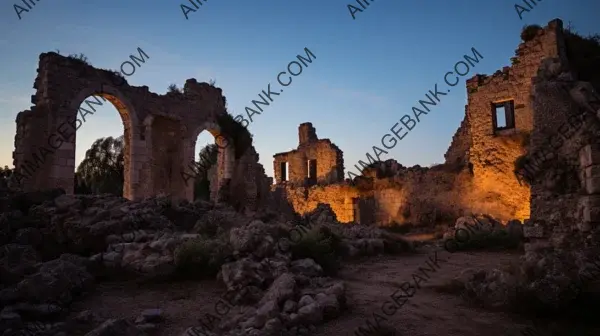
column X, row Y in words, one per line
column 250, row 187
column 160, row 131
column 415, row 195
column 303, row 200
column 461, row 143
column 565, row 192
column 392, row 193
column 329, row 158
column 32, row 128
column 493, row 154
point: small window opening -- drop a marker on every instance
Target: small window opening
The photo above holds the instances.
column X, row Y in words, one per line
column 503, row 115
column 283, row 166
column 312, row 168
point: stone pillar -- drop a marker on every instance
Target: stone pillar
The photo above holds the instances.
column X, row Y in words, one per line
column 147, row 171
column 306, row 133
column 133, row 189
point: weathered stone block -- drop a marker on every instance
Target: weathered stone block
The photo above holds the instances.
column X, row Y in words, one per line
column 533, row 231
column 592, row 180
column 589, row 155
column 590, row 208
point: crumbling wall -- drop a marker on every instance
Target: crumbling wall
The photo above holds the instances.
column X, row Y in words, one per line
column 493, row 153
column 33, row 127
column 563, row 161
column 250, row 187
column 339, row 197
column 329, row 159
column 424, row 196
column 160, row 131
column 460, row 145
column 416, row 195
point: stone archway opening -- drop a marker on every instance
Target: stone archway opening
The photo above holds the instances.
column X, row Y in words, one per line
column 100, row 146
column 206, row 154
column 90, row 116
column 211, row 157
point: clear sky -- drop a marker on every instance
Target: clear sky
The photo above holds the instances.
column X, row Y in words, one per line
column 368, row 72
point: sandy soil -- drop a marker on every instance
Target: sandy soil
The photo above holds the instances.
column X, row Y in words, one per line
column 370, row 282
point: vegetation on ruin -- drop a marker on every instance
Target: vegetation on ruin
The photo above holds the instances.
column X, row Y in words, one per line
column 236, row 132
column 319, row 244
column 174, row 89
column 519, row 164
column 584, row 54
column 201, row 257
column 530, row 32
column 81, row 58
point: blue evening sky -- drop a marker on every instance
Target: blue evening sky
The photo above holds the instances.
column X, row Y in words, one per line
column 367, row 73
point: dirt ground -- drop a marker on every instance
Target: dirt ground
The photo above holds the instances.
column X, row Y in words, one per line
column 370, row 282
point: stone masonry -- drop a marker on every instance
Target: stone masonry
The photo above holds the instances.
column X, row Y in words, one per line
column 321, row 155
column 565, row 190
column 159, row 138
column 496, row 130
column 458, row 152
column 494, row 149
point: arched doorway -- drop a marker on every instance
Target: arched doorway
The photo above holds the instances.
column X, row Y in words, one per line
column 220, row 171
column 83, row 112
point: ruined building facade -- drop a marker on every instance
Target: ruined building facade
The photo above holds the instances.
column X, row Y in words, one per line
column 315, row 161
column 160, row 132
column 478, row 175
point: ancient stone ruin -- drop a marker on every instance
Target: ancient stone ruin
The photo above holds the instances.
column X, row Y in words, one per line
column 527, row 148
column 314, row 161
column 478, row 175
column 159, row 139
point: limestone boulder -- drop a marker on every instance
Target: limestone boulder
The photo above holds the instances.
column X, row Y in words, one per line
column 144, row 253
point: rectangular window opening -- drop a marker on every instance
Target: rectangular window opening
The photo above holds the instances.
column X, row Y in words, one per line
column 283, row 166
column 312, row 169
column 503, row 115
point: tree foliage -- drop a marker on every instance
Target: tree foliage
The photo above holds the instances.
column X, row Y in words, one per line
column 207, row 158
column 102, row 169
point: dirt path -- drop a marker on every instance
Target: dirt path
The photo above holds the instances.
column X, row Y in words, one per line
column 370, row 282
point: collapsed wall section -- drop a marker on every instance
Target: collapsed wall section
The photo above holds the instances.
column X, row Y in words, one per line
column 458, row 152
column 421, row 196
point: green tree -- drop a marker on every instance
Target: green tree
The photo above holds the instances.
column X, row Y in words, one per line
column 207, row 158
column 102, row 169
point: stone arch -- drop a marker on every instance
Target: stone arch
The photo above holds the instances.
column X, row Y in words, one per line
column 131, row 126
column 225, row 159
column 160, row 131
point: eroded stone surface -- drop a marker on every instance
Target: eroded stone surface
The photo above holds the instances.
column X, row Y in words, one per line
column 160, row 133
